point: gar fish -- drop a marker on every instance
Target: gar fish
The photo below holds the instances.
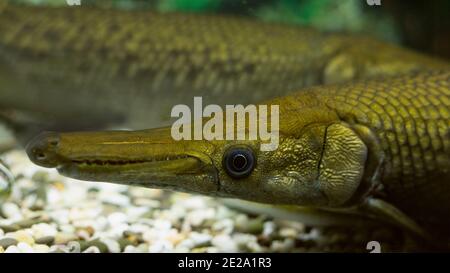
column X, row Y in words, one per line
column 378, row 148
column 73, row 68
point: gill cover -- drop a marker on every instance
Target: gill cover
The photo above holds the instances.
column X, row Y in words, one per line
column 341, row 167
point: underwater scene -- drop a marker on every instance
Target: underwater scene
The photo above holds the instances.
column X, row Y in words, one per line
column 224, row 126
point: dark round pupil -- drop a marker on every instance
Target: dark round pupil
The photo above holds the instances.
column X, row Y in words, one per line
column 239, row 161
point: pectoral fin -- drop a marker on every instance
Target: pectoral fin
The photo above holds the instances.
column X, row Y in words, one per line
column 306, row 215
column 385, row 211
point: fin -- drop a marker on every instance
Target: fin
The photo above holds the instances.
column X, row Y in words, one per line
column 309, row 216
column 390, row 213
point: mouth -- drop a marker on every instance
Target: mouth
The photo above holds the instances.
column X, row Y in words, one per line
column 149, row 158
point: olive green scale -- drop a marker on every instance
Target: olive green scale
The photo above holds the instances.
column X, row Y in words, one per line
column 409, row 118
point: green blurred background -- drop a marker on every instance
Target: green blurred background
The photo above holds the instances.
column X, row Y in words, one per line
column 419, row 24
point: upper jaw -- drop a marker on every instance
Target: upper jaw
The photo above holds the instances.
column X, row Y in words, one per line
column 148, row 158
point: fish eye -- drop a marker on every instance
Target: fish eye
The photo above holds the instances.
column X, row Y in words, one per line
column 239, row 162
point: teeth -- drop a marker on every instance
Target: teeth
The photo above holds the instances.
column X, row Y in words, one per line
column 124, row 162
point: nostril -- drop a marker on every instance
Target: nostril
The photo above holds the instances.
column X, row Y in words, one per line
column 40, row 156
column 53, row 142
column 52, row 139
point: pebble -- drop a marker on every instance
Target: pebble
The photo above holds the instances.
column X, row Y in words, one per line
column 116, row 199
column 7, row 242
column 112, row 245
column 12, row 249
column 224, row 243
column 25, row 248
column 160, row 246
column 64, row 238
column 247, row 242
column 24, row 237
column 282, row 246
column 268, row 229
column 288, row 232
column 102, row 247
column 11, row 210
column 39, row 248
column 197, row 217
column 10, row 228
column 92, row 249
column 246, row 225
column 43, row 230
column 224, row 226
column 117, row 218
column 130, row 249
column 47, row 240
column 200, row 239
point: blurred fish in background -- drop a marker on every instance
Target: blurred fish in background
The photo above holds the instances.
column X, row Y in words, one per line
column 417, row 24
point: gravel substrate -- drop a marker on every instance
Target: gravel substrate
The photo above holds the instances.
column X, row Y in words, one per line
column 45, row 212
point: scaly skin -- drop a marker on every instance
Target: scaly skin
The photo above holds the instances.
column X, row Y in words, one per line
column 341, row 147
column 79, row 67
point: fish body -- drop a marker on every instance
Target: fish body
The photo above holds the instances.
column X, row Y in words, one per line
column 375, row 148
column 72, row 68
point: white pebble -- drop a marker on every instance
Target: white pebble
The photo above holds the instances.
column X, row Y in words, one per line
column 162, row 224
column 138, row 228
column 43, row 230
column 23, row 236
column 117, row 230
column 200, row 238
column 160, row 246
column 11, row 210
column 148, row 194
column 60, row 216
column 224, row 243
column 84, row 214
column 248, row 242
column 117, row 218
column 197, row 217
column 130, row 249
column 194, row 203
column 181, row 249
column 288, row 232
column 115, row 199
column 92, row 249
column 12, row 249
column 268, row 228
column 282, row 246
column 54, row 248
column 67, row 228
column 63, row 238
column 101, row 224
column 134, row 213
column 113, row 246
column 145, row 202
column 25, row 248
column 41, row 248
column 224, row 226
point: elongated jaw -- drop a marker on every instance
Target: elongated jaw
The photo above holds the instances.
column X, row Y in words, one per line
column 149, row 158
